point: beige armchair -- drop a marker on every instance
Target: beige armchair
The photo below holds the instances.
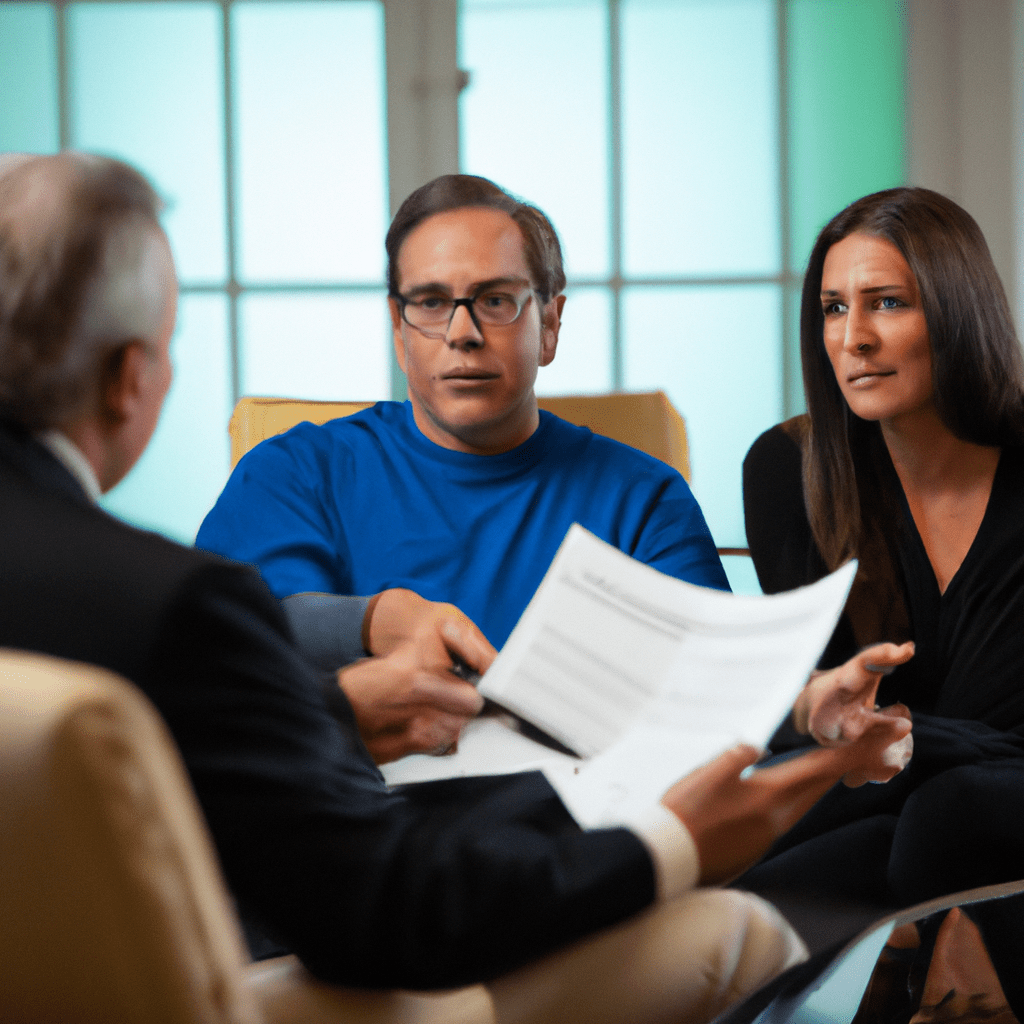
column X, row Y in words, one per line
column 112, row 907
column 644, row 420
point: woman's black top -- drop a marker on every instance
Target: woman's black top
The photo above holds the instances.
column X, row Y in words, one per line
column 969, row 659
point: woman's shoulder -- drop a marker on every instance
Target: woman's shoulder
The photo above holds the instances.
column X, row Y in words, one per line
column 785, row 440
column 778, row 532
column 773, row 464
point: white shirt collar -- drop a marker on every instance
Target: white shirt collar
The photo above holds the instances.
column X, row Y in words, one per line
column 72, row 459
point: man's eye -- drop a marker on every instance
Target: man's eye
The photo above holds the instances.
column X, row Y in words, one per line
column 431, row 303
column 496, row 301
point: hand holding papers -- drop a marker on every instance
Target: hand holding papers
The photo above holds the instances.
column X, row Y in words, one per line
column 647, row 677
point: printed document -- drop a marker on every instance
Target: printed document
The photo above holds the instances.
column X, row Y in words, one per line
column 641, row 675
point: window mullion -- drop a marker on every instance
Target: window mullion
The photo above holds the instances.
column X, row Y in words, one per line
column 423, row 83
column 615, row 189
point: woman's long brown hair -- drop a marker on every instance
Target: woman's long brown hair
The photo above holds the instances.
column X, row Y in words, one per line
column 977, row 368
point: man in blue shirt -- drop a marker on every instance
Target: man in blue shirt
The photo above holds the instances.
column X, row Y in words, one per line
column 463, row 493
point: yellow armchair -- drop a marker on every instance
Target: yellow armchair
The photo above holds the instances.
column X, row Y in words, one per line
column 647, row 420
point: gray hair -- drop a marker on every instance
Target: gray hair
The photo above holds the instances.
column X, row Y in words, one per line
column 82, row 273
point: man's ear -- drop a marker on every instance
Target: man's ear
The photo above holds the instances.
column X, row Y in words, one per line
column 396, row 330
column 551, row 321
column 121, row 381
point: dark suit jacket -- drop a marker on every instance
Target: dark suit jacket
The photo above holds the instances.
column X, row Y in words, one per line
column 432, row 885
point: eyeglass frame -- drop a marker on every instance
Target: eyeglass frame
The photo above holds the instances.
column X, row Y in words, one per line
column 468, row 301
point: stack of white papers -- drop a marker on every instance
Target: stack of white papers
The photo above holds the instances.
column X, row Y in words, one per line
column 645, row 677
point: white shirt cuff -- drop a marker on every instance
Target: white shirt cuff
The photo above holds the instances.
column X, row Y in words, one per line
column 676, row 864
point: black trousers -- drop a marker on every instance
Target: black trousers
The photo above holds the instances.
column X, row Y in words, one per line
column 953, row 820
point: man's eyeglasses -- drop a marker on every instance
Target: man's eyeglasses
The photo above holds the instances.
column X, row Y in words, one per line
column 432, row 314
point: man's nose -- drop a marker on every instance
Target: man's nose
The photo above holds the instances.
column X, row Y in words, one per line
column 462, row 329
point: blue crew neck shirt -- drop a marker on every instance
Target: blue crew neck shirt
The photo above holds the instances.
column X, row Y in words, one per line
column 367, row 502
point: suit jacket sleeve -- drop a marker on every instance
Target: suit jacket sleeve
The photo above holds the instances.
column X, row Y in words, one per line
column 427, row 886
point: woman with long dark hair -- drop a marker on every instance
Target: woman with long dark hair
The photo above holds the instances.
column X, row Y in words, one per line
column 910, row 459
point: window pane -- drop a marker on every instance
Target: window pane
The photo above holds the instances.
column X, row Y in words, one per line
column 331, row 347
column 700, row 110
column 28, row 78
column 146, row 86
column 864, row 78
column 534, row 117
column 583, row 360
column 186, row 464
column 716, row 352
column 742, row 574
column 310, row 128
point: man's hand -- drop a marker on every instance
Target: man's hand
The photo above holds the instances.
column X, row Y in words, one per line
column 836, row 707
column 734, row 820
column 403, row 706
column 396, row 617
column 406, row 698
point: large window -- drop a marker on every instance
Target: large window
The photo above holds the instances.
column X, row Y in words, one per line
column 262, row 124
column 687, row 151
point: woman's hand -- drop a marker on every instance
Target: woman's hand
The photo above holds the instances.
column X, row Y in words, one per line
column 836, row 707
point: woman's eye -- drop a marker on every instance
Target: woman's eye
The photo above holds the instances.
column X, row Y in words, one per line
column 890, row 302
column 832, row 308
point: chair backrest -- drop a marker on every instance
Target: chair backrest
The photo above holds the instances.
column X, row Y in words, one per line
column 646, row 420
column 112, row 907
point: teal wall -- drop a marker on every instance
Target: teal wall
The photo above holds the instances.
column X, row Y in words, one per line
column 28, row 78
column 846, row 75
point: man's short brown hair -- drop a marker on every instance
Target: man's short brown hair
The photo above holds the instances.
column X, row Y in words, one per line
column 461, row 191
